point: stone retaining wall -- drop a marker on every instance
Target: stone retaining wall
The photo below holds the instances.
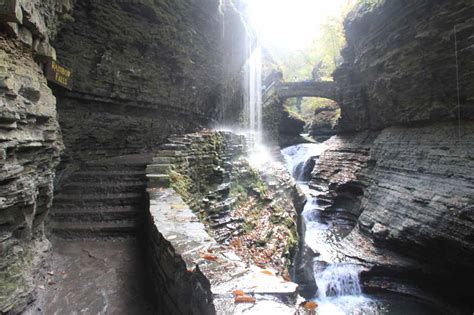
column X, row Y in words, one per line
column 191, row 272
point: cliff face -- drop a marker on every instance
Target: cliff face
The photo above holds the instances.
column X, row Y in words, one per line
column 30, row 144
column 402, row 173
column 142, row 71
column 409, row 194
column 400, row 63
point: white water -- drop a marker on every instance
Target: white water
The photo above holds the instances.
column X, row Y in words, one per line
column 338, row 280
column 253, row 95
column 339, row 291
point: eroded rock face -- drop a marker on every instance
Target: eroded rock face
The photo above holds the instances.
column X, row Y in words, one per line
column 410, row 191
column 400, row 65
column 29, row 151
column 142, row 71
column 30, row 143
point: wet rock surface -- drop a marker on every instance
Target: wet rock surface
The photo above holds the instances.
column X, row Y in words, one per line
column 405, row 191
column 100, row 199
column 94, row 277
column 209, row 251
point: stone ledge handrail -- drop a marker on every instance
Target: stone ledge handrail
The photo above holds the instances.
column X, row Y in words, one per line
column 186, row 277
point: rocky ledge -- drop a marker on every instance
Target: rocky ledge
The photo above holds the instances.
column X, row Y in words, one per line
column 228, row 254
column 408, row 194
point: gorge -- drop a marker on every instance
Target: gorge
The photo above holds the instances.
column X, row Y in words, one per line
column 136, row 188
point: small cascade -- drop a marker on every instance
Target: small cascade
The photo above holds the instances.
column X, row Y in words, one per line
column 339, row 291
column 298, row 157
column 338, row 280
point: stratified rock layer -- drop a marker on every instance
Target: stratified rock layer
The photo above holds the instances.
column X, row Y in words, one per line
column 29, row 151
column 400, row 63
column 411, row 191
column 142, row 71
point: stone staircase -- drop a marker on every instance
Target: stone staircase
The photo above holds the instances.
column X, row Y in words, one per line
column 104, row 198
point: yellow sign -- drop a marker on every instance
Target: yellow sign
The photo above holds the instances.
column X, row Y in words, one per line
column 59, row 74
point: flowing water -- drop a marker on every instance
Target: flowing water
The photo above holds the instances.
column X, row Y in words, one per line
column 253, row 93
column 339, row 290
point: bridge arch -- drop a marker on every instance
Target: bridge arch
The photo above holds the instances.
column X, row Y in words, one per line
column 323, row 89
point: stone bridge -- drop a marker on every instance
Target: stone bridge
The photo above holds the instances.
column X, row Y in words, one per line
column 324, row 89
column 284, row 90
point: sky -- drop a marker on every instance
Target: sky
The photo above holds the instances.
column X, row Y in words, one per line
column 290, row 24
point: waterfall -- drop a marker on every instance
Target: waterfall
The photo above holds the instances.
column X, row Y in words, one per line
column 339, row 291
column 298, row 156
column 338, row 280
column 253, row 97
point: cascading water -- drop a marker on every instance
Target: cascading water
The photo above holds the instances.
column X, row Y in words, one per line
column 339, row 291
column 338, row 280
column 253, row 97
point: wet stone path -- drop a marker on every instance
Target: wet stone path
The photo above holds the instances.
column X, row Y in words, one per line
column 95, row 277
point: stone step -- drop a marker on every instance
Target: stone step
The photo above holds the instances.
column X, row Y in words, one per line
column 96, row 214
column 64, row 200
column 158, row 180
column 103, row 176
column 169, row 153
column 173, row 146
column 114, row 167
column 94, row 229
column 158, row 168
column 103, row 187
column 166, row 160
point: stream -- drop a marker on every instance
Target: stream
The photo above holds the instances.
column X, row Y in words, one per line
column 339, row 289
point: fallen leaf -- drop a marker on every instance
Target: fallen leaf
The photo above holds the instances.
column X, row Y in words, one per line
column 209, row 257
column 51, row 282
column 310, row 305
column 244, row 299
column 286, row 275
column 266, row 272
column 238, row 293
column 50, row 273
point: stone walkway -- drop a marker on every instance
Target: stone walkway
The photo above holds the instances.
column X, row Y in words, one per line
column 224, row 269
column 95, row 277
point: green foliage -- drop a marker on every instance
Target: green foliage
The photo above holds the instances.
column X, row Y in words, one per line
column 324, row 50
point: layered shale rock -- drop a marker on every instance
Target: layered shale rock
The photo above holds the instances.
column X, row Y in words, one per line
column 405, row 191
column 142, row 71
column 409, row 194
column 400, row 63
column 236, row 237
column 30, row 144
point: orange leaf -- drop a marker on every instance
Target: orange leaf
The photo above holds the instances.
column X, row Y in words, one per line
column 266, row 272
column 244, row 299
column 310, row 305
column 286, row 276
column 209, row 257
column 238, row 292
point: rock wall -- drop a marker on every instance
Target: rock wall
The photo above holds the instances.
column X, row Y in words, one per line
column 409, row 192
column 176, row 288
column 142, row 71
column 403, row 182
column 400, row 63
column 30, row 144
column 231, row 233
